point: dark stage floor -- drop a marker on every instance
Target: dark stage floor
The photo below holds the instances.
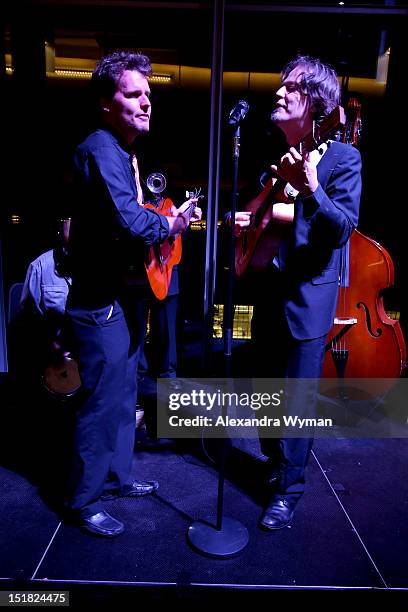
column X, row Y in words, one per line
column 350, row 530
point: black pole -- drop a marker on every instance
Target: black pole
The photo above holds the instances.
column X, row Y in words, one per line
column 228, row 319
column 3, row 343
column 213, row 180
column 228, row 537
column 229, row 298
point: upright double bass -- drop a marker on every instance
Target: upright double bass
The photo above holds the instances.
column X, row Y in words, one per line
column 364, row 341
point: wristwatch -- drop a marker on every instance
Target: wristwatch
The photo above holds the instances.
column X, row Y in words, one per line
column 290, row 192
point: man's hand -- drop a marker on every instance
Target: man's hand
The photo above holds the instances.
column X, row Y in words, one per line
column 242, row 221
column 197, row 212
column 179, row 221
column 298, row 170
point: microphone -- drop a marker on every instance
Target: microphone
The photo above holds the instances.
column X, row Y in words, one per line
column 239, row 112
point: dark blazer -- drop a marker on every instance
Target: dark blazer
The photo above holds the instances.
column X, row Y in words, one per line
column 310, row 258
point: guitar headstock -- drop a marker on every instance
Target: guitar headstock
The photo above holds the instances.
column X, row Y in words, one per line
column 334, row 121
column 196, row 194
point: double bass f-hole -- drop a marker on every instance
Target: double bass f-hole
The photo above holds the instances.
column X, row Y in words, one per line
column 368, row 320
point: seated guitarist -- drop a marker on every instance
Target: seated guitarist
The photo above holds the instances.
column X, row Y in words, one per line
column 300, row 286
column 40, row 319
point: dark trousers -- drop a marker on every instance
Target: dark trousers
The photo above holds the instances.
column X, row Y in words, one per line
column 299, row 360
column 159, row 357
column 107, row 343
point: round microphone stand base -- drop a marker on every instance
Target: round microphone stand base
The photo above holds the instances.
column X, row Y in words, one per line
column 222, row 543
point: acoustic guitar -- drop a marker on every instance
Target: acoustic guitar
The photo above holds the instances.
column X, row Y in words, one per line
column 259, row 242
column 61, row 377
column 161, row 258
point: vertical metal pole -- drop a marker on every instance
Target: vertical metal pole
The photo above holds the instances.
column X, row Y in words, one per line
column 229, row 536
column 3, row 344
column 229, row 296
column 213, row 178
column 5, row 105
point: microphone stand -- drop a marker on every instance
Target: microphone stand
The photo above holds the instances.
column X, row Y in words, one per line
column 229, row 298
column 228, row 537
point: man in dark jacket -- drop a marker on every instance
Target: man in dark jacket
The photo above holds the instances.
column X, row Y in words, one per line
column 319, row 203
column 110, row 230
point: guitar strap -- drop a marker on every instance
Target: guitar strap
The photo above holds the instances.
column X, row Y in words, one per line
column 134, row 274
column 139, row 190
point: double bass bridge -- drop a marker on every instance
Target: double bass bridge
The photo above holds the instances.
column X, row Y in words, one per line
column 344, row 321
column 346, row 324
column 338, row 348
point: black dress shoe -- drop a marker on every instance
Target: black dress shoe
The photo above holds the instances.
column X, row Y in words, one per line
column 279, row 513
column 138, row 488
column 102, row 524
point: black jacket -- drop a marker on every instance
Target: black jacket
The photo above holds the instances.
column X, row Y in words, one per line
column 310, row 258
column 109, row 230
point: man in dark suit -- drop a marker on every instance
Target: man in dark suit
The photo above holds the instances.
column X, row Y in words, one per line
column 320, row 204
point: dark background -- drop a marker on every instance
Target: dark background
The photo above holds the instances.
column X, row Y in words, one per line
column 43, row 119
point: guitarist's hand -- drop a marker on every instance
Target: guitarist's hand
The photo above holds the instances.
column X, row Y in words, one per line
column 298, row 170
column 242, row 221
column 177, row 224
column 197, row 212
column 181, row 220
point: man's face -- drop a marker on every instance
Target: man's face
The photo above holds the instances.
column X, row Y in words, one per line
column 292, row 112
column 129, row 110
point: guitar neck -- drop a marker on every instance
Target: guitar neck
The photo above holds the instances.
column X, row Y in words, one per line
column 190, row 210
column 269, row 199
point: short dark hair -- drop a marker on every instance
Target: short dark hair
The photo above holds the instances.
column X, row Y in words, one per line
column 319, row 82
column 110, row 68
